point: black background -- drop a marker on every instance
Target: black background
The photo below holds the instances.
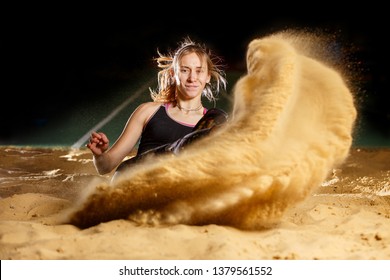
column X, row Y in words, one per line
column 56, row 57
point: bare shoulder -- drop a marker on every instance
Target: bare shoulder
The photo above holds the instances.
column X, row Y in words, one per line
column 148, row 108
column 145, row 110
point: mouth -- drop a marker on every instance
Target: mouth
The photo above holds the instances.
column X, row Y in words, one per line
column 191, row 87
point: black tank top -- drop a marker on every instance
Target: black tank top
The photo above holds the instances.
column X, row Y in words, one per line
column 161, row 129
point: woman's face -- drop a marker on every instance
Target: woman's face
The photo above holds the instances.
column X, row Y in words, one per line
column 191, row 76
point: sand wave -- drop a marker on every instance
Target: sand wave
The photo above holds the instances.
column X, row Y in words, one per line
column 292, row 123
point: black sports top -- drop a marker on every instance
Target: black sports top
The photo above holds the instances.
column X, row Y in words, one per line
column 161, row 129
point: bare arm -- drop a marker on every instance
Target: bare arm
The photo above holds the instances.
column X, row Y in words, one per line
column 106, row 159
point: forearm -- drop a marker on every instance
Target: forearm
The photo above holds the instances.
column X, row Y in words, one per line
column 103, row 163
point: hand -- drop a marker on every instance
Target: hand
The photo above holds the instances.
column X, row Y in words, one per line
column 98, row 143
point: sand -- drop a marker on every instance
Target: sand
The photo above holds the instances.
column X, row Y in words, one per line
column 280, row 181
column 346, row 218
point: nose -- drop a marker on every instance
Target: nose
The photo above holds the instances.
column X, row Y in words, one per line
column 193, row 76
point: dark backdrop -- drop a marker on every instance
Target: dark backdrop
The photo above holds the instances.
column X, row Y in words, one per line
column 52, row 60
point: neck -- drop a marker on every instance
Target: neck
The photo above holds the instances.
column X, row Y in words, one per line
column 186, row 110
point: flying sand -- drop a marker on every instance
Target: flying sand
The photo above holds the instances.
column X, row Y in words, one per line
column 291, row 125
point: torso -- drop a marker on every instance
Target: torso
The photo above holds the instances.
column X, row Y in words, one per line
column 161, row 129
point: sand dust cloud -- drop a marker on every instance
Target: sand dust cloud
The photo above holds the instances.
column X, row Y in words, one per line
column 291, row 125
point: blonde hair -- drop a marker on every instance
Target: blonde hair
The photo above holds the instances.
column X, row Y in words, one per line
column 169, row 63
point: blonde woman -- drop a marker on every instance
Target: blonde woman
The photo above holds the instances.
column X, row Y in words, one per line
column 191, row 72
